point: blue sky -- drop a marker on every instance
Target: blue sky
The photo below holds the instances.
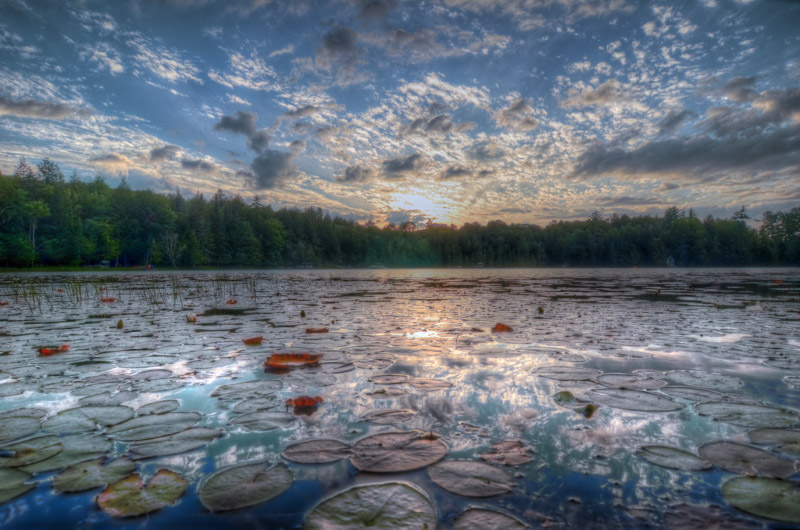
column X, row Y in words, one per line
column 456, row 110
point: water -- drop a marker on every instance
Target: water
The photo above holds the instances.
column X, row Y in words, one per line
column 425, row 324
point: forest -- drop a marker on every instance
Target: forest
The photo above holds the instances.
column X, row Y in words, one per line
column 48, row 220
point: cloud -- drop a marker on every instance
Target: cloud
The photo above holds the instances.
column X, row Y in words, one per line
column 233, row 98
column 606, row 94
column 198, row 165
column 357, row 173
column 301, row 112
column 168, row 152
column 673, row 119
column 259, row 140
column 439, row 124
column 243, row 123
column 529, row 14
column 486, row 151
column 247, row 72
column 740, row 89
column 113, row 163
column 104, row 56
column 395, row 168
column 163, row 62
column 626, row 200
column 375, row 9
column 29, row 108
column 516, row 116
column 339, row 53
column 286, row 49
column 270, row 169
column 454, row 172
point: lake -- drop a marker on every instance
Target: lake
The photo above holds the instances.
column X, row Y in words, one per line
column 620, row 398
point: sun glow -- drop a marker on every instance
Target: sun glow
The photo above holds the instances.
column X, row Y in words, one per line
column 430, row 205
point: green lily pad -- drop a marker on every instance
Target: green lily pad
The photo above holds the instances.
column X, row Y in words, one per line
column 693, row 394
column 14, row 428
column 389, row 379
column 25, row 412
column 14, row 389
column 12, row 484
column 387, row 393
column 774, row 436
column 92, row 474
column 173, row 444
column 705, row 380
column 393, row 452
column 568, row 373
column 247, row 390
column 210, row 364
column 672, row 457
column 764, row 497
column 266, row 420
column 75, row 448
column 87, row 418
column 31, row 451
column 132, row 426
column 471, row 479
column 633, row 382
column 747, row 415
column 158, row 407
column 689, row 517
column 508, row 452
column 746, row 460
column 637, row 400
column 317, row 451
column 130, row 497
column 107, row 398
column 481, row 519
column 151, row 375
column 244, row 485
column 388, row 416
column 429, row 385
column 389, row 506
column 257, row 404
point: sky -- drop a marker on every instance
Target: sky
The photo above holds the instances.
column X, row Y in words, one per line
column 385, row 110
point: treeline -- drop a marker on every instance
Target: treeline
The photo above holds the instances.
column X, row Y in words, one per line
column 46, row 219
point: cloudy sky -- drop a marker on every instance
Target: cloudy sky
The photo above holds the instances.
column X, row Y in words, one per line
column 456, row 110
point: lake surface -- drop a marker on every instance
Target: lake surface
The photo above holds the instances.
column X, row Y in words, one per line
column 612, row 394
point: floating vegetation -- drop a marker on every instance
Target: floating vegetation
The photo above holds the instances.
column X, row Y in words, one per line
column 92, row 474
column 746, row 460
column 317, row 451
column 279, row 363
column 471, row 479
column 622, row 398
column 672, row 457
column 482, row 519
column 765, row 497
column 393, row 452
column 509, row 453
column 131, row 497
column 239, row 486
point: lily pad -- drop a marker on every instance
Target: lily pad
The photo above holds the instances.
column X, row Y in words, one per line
column 389, row 506
column 158, row 407
column 173, row 444
column 689, row 517
column 87, row 418
column 747, row 415
column 481, row 519
column 672, row 457
column 135, row 428
column 266, row 420
column 244, row 485
column 12, row 484
column 92, row 474
column 774, row 436
column 247, row 390
column 14, row 428
column 429, row 385
column 746, row 460
column 257, row 404
column 394, row 452
column 14, row 389
column 130, row 497
column 389, row 379
column 633, row 382
column 568, row 373
column 471, row 479
column 30, row 451
column 387, row 393
column 75, row 448
column 764, row 497
column 705, row 380
column 508, row 452
column 637, row 400
column 692, row 393
column 388, row 416
column 107, row 398
column 317, row 451
column 151, row 375
column 24, row 412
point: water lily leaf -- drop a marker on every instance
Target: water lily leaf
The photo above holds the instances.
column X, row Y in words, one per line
column 87, row 418
column 107, row 398
column 480, row 519
column 173, row 444
column 158, row 407
column 688, row 517
column 633, row 382
column 210, row 364
column 265, row 420
column 471, row 479
column 317, row 451
column 764, row 497
column 508, row 452
column 30, row 451
column 151, row 375
column 746, row 460
column 774, row 436
column 257, row 404
column 146, row 362
column 12, row 484
column 130, row 497
column 393, row 452
column 389, row 379
column 705, row 380
column 429, row 385
column 568, row 373
column 14, row 389
column 155, row 386
column 747, row 415
column 153, row 419
column 247, row 390
column 75, row 448
column 389, row 506
column 14, row 428
column 92, row 474
column 244, row 485
column 388, row 416
column 672, row 457
column 386, row 393
column 693, row 394
column 24, row 412
column 638, row 400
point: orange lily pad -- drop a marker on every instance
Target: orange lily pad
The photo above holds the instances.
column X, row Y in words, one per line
column 3, row 302
column 253, row 340
column 316, row 330
column 108, row 299
column 283, row 362
column 304, row 405
column 231, row 301
column 501, row 328
column 53, row 350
